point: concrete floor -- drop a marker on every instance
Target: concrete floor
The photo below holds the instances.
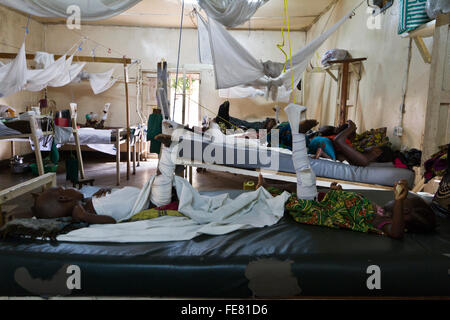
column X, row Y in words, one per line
column 103, row 169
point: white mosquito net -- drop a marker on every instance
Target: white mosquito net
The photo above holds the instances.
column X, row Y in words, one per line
column 231, row 13
column 101, row 82
column 90, row 10
column 235, row 66
column 13, row 76
column 70, row 72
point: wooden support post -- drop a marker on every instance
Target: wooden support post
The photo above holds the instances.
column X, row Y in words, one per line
column 37, row 146
column 422, row 47
column 344, row 82
column 118, row 157
column 134, row 157
column 47, row 180
column 125, row 72
column 30, row 56
column 13, row 149
column 73, row 116
column 344, row 94
column 419, row 186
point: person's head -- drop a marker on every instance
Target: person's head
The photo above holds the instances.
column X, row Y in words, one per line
column 269, row 124
column 417, row 214
column 55, row 203
column 327, row 131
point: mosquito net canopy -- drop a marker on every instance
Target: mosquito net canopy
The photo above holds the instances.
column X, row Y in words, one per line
column 90, row 10
column 231, row 13
column 235, row 66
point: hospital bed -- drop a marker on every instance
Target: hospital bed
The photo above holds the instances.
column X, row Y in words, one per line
column 29, row 130
column 106, row 140
column 304, row 261
column 247, row 157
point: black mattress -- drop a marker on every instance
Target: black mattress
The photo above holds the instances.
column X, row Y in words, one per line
column 285, row 260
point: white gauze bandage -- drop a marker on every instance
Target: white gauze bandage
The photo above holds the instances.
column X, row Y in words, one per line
column 161, row 193
column 306, row 179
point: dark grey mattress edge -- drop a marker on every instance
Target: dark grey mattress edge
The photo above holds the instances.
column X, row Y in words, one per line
column 384, row 174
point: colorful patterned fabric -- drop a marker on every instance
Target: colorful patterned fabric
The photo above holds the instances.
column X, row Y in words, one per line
column 338, row 209
column 412, row 15
column 152, row 214
column 437, row 165
column 371, row 138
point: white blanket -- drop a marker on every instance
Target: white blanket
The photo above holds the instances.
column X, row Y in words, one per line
column 87, row 136
column 215, row 215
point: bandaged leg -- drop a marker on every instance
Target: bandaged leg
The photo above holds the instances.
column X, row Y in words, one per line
column 161, row 193
column 306, row 179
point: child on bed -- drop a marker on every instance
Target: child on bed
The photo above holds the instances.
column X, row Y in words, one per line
column 341, row 209
column 350, row 210
column 106, row 206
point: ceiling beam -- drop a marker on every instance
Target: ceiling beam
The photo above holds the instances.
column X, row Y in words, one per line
column 78, row 58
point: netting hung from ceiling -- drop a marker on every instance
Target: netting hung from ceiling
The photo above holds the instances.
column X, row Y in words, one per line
column 235, row 66
column 231, row 13
column 90, row 10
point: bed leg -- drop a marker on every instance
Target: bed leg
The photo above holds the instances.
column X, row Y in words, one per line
column 134, row 158
column 37, row 147
column 419, row 186
column 139, row 153
column 2, row 217
column 118, row 157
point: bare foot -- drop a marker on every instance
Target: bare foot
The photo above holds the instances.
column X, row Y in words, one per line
column 352, row 125
column 319, row 151
column 78, row 213
column 307, row 125
column 335, row 186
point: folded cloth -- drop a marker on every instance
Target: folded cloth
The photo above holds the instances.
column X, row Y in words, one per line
column 40, row 228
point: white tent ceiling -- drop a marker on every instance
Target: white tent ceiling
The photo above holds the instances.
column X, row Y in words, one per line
column 166, row 13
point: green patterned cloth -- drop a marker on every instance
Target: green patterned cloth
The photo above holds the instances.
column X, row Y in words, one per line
column 371, row 138
column 338, row 209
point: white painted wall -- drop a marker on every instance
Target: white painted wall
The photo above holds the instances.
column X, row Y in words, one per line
column 380, row 91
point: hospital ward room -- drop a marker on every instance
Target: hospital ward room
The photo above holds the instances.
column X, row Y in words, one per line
column 251, row 150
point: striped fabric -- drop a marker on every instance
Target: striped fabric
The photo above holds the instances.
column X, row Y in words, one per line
column 412, row 15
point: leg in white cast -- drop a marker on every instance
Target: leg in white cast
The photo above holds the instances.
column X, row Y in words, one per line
column 306, row 179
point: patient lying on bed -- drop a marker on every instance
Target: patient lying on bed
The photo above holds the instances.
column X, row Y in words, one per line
column 105, row 207
column 336, row 143
column 350, row 210
column 225, row 121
